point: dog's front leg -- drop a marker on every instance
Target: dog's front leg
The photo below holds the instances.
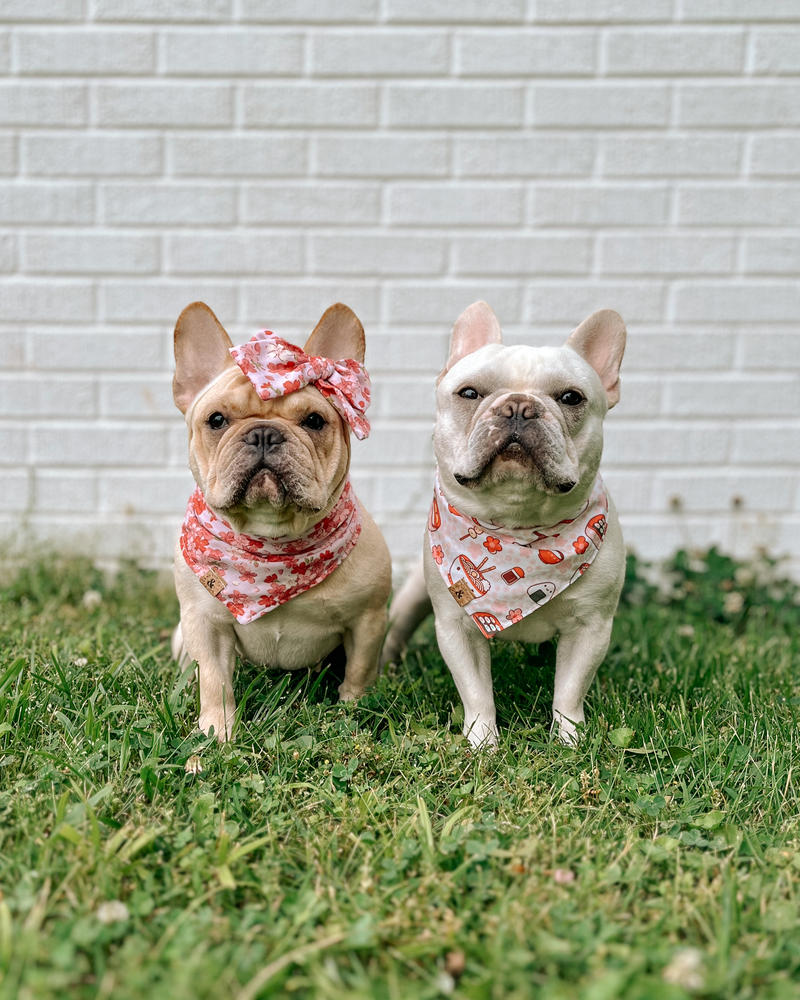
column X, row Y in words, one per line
column 580, row 652
column 362, row 647
column 215, row 653
column 467, row 655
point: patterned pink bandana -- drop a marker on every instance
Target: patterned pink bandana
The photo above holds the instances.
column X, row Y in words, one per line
column 277, row 368
column 528, row 566
column 252, row 576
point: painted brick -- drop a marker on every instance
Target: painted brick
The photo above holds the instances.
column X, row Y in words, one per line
column 523, row 255
column 600, row 105
column 8, row 252
column 770, row 349
column 181, row 105
column 777, row 50
column 155, row 10
column 168, row 204
column 107, row 350
column 752, row 104
column 658, row 443
column 234, row 155
column 772, row 254
column 396, row 52
column 442, row 10
column 162, row 493
column 380, row 156
column 234, row 52
column 731, row 396
column 62, row 154
column 255, row 252
column 16, row 493
column 12, row 348
column 364, row 253
column 62, row 104
column 56, row 203
column 661, row 52
column 455, row 204
column 526, row 53
column 767, row 443
column 321, row 105
column 421, row 351
column 265, row 304
column 775, row 155
column 438, row 302
column 8, row 154
column 663, row 253
column 22, row 396
column 596, row 205
column 686, row 155
column 68, row 51
column 393, row 445
column 140, row 397
column 97, row 444
column 314, row 204
column 702, row 349
column 89, row 253
column 32, row 301
column 711, row 491
column 570, row 301
column 413, row 397
column 738, row 10
column 739, row 205
column 70, row 492
column 542, row 154
column 309, row 10
column 738, row 302
column 42, row 10
column 160, row 301
column 5, row 51
column 14, row 444
column 454, row 105
column 602, row 11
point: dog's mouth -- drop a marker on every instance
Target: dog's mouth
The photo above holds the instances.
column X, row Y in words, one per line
column 516, row 458
column 264, row 485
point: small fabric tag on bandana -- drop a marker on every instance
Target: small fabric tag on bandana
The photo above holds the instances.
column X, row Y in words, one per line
column 276, row 368
column 499, row 577
column 252, row 576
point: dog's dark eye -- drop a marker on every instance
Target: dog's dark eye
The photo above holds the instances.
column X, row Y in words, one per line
column 570, row 398
column 314, row 421
column 216, row 421
column 469, row 393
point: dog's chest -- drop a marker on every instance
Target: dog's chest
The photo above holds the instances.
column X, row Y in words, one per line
column 293, row 636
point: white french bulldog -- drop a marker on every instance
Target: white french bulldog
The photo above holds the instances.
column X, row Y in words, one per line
column 277, row 560
column 522, row 542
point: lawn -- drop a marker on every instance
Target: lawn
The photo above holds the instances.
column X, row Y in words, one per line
column 365, row 851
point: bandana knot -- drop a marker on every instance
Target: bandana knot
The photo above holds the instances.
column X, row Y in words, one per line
column 500, row 576
column 276, row 368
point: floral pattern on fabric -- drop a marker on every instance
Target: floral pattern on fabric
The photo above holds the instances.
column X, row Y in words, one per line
column 499, row 577
column 252, row 576
column 276, row 368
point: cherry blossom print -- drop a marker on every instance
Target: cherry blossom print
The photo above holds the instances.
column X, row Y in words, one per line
column 251, row 576
column 529, row 571
column 277, row 368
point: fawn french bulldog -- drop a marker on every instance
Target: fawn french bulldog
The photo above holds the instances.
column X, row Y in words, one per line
column 277, row 561
column 523, row 541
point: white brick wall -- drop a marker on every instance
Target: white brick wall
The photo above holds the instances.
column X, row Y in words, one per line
column 407, row 157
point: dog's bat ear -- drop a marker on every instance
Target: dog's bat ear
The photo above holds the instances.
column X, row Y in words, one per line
column 338, row 335
column 600, row 340
column 201, row 352
column 474, row 328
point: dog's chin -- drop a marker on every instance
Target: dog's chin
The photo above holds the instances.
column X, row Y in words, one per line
column 515, row 464
column 264, row 487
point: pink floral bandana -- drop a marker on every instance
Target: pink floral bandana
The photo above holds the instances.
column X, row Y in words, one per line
column 277, row 368
column 252, row 576
column 526, row 567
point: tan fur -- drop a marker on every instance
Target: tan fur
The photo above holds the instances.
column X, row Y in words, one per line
column 349, row 607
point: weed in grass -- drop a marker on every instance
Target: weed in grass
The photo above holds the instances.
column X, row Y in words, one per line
column 365, row 851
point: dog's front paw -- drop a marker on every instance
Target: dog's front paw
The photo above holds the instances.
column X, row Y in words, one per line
column 350, row 692
column 565, row 730
column 481, row 735
column 219, row 721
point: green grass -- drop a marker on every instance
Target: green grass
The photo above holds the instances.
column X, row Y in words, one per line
column 364, row 851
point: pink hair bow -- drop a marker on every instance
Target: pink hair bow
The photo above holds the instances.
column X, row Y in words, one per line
column 277, row 368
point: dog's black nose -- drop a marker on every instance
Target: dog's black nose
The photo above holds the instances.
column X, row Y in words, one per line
column 265, row 437
column 518, row 408
column 566, row 487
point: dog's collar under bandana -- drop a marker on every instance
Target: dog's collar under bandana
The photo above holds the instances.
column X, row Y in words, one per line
column 500, row 576
column 252, row 576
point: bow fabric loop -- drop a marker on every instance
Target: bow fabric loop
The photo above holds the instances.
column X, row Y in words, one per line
column 277, row 368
